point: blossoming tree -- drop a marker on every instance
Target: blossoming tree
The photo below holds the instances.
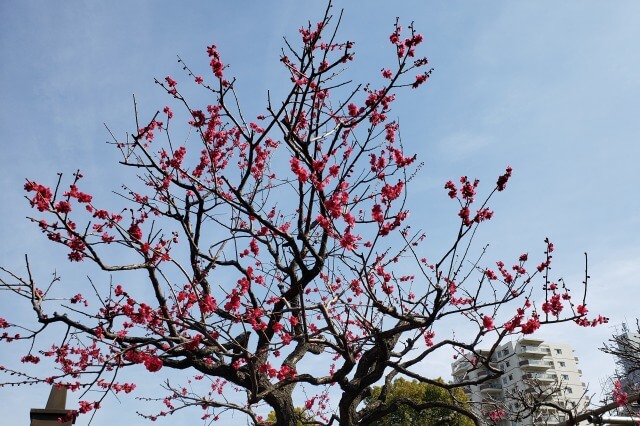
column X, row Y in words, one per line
column 273, row 256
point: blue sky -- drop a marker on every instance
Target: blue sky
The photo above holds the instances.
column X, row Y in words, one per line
column 550, row 88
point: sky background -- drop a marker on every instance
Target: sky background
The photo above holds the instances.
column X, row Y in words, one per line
column 550, row 88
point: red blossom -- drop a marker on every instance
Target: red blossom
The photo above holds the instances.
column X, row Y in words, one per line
column 135, row 232
column 286, row 338
column 80, row 196
column 216, row 65
column 553, row 305
column 582, row 310
column 309, row 403
column 207, row 304
column 101, row 214
column 30, row 359
column 453, row 191
column 530, row 326
column 85, row 407
column 76, row 256
column 171, row 82
column 199, row 119
column 464, row 215
column 152, row 363
column 63, row 207
column 620, row 397
column 394, row 38
column 428, row 338
column 391, row 192
column 482, row 215
column 349, row 241
column 42, row 198
column 468, row 189
column 496, row 415
column 502, row 180
column 490, row 274
column 353, row 110
column 286, row 372
column 377, row 214
column 299, row 170
column 420, row 79
column 253, row 245
column 487, row 322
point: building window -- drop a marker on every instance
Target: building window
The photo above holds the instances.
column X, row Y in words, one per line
column 504, row 380
column 510, row 376
column 558, row 351
column 508, row 364
column 562, row 363
column 565, row 377
column 569, row 390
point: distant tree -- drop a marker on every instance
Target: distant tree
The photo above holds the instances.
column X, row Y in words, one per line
column 252, row 243
column 302, row 417
column 625, row 347
column 414, row 403
column 623, row 396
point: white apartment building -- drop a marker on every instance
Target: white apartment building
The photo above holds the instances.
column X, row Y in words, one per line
column 527, row 367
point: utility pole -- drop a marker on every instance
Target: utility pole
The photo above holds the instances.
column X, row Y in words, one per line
column 54, row 410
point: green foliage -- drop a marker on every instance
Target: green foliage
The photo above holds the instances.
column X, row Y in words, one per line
column 301, row 417
column 421, row 392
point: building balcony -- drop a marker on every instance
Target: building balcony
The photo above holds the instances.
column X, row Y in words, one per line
column 533, row 351
column 548, row 397
column 542, row 377
column 482, row 373
column 549, row 420
column 530, row 341
column 491, row 387
column 461, row 368
column 535, row 365
column 546, row 421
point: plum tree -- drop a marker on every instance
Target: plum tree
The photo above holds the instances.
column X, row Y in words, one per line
column 273, row 256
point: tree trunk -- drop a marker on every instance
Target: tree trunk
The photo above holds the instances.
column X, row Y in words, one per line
column 347, row 413
column 282, row 404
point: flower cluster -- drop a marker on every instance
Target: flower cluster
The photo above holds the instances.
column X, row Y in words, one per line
column 502, row 180
column 285, row 372
column 216, row 64
column 496, row 415
column 619, row 395
column 151, row 363
column 42, row 197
